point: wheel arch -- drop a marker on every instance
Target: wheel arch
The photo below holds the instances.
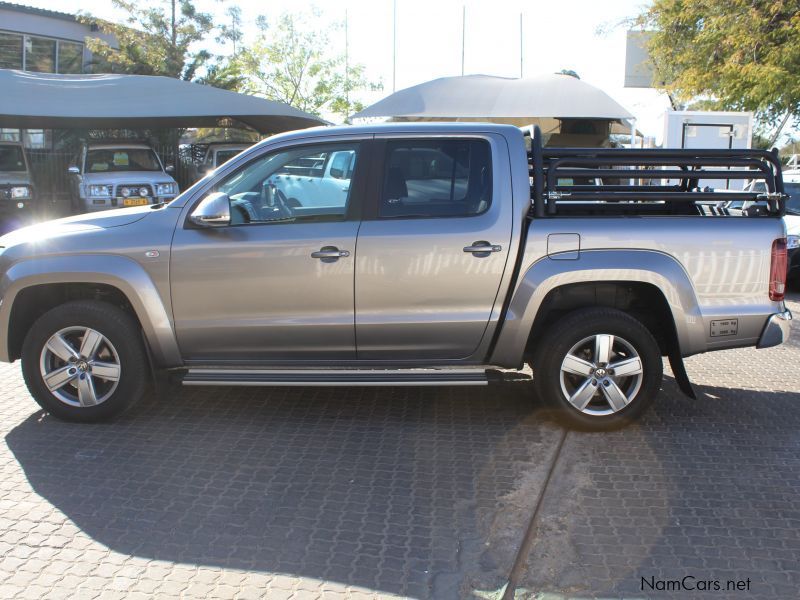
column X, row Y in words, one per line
column 30, row 287
column 623, row 279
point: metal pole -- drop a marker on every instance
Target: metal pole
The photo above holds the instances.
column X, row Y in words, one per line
column 463, row 34
column 346, row 69
column 520, row 46
column 394, row 45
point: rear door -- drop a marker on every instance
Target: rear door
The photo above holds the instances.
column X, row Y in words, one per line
column 433, row 247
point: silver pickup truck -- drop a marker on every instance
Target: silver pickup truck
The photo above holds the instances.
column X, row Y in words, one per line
column 457, row 256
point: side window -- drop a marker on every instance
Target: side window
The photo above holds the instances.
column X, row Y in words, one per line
column 436, row 178
column 291, row 185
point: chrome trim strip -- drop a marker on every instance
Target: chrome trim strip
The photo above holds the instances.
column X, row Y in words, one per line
column 336, row 377
column 335, row 372
column 300, row 383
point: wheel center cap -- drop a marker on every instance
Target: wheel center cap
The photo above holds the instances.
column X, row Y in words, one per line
column 82, row 365
column 600, row 373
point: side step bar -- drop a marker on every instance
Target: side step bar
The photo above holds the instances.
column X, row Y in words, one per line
column 335, row 377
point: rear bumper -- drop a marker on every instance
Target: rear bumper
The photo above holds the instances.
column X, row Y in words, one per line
column 776, row 331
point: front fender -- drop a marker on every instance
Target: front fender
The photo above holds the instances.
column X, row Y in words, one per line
column 594, row 266
column 120, row 272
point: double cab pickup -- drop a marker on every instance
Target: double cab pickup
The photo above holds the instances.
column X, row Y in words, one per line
column 441, row 254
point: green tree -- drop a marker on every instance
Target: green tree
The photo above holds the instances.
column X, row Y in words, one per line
column 232, row 30
column 222, row 73
column 291, row 61
column 729, row 55
column 159, row 39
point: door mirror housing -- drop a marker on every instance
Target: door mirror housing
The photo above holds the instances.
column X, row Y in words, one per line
column 169, row 168
column 73, row 170
column 213, row 211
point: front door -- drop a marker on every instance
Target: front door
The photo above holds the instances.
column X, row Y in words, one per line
column 432, row 254
column 277, row 284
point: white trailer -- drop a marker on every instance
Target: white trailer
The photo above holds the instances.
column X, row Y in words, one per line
column 709, row 129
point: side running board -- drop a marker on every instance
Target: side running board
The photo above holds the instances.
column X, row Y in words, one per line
column 334, row 377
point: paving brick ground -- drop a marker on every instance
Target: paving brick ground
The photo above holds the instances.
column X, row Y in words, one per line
column 423, row 492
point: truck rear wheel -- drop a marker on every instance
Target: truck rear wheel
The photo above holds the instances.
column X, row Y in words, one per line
column 84, row 361
column 599, row 368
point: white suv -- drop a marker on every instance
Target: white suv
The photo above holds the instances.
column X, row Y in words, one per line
column 113, row 175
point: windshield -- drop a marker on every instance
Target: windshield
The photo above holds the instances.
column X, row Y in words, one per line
column 11, row 159
column 116, row 160
column 793, row 203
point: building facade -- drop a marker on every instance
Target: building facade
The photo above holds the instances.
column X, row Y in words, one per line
column 43, row 41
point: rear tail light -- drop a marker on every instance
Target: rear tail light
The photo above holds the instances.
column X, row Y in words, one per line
column 777, row 270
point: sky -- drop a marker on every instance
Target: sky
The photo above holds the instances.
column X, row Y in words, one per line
column 586, row 36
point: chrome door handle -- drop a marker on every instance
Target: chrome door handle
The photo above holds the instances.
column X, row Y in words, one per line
column 330, row 252
column 483, row 248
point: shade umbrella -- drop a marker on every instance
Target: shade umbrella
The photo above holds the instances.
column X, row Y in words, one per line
column 543, row 100
column 49, row 101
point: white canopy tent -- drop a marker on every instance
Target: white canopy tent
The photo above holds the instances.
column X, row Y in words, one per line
column 545, row 100
column 45, row 100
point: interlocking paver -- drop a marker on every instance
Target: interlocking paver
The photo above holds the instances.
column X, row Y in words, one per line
column 704, row 488
column 417, row 492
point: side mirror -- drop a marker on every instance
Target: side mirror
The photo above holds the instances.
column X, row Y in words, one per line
column 170, row 168
column 213, row 211
column 73, row 170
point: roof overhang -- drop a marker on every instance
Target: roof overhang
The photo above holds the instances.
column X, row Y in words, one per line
column 48, row 101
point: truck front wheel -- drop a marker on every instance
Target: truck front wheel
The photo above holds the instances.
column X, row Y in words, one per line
column 84, row 361
column 599, row 368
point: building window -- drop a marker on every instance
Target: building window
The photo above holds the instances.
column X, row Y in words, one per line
column 36, row 138
column 40, row 54
column 9, row 135
column 70, row 57
column 44, row 55
column 10, row 51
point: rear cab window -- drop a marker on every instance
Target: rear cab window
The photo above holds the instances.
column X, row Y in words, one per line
column 436, row 178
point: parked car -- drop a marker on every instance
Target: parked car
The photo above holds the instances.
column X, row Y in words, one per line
column 17, row 192
column 453, row 257
column 315, row 181
column 219, row 153
column 205, row 157
column 119, row 174
column 791, row 183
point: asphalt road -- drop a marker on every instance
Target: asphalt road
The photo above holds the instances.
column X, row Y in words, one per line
column 418, row 492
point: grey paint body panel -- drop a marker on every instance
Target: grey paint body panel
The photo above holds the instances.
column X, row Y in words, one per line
column 406, row 296
column 706, row 268
column 255, row 293
column 419, row 296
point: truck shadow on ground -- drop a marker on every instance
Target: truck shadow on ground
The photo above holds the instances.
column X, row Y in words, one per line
column 426, row 492
column 706, row 489
column 394, row 489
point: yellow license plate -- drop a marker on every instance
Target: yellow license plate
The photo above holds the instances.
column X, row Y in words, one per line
column 135, row 201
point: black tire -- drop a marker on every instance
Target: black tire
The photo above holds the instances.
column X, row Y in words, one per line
column 578, row 332
column 122, row 336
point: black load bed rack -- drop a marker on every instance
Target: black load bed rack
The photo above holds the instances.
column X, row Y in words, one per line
column 549, row 165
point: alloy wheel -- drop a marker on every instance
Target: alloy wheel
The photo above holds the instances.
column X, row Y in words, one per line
column 601, row 374
column 80, row 366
